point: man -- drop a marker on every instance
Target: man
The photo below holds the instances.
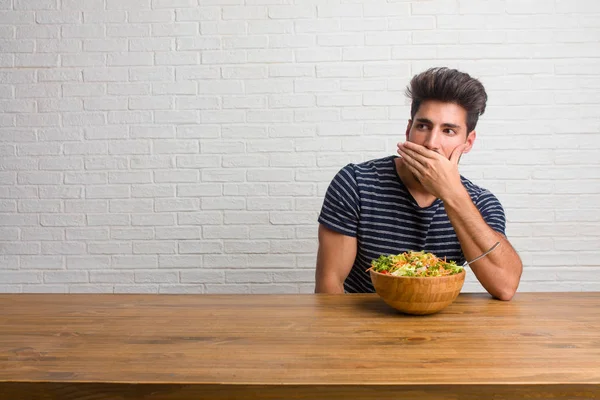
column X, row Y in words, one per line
column 418, row 200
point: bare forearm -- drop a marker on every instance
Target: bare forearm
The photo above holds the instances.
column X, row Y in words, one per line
column 500, row 271
column 328, row 285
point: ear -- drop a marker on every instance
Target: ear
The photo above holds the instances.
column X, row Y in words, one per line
column 408, row 126
column 471, row 136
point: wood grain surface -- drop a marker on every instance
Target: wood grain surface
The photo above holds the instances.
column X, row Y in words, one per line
column 105, row 346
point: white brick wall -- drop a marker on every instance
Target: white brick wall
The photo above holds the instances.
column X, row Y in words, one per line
column 185, row 146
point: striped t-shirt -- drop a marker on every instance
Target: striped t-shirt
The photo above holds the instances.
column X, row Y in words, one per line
column 369, row 201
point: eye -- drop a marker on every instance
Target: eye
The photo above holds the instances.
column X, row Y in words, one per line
column 450, row 131
column 421, row 127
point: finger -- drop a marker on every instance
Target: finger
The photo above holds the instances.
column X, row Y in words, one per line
column 458, row 151
column 410, row 161
column 421, row 150
column 403, row 151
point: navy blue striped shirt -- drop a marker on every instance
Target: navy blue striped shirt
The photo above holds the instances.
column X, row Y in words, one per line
column 369, row 201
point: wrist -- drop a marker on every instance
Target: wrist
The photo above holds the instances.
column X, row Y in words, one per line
column 456, row 199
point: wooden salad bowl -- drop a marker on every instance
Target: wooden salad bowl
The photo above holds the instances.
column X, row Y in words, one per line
column 418, row 295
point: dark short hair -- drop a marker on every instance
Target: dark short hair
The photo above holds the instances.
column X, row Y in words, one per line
column 451, row 86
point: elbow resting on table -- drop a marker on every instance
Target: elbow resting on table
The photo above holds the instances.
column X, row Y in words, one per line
column 506, row 295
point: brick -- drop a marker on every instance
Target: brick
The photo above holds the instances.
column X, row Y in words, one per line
column 151, row 132
column 226, row 261
column 108, row 219
column 180, row 261
column 268, row 27
column 343, row 10
column 39, row 206
column 318, row 55
column 104, row 16
column 58, row 17
column 180, row 176
column 134, row 5
column 114, row 247
column 178, row 233
column 130, row 206
column 245, row 189
column 130, row 177
column 294, row 276
column 105, row 163
column 200, row 218
column 293, row 246
column 39, row 178
column 151, row 162
column 66, row 277
column 200, row 247
column 175, row 29
column 111, row 277
column 269, row 204
column 87, row 262
column 189, row 132
column 129, row 117
column 153, row 191
column 87, row 233
column 246, row 218
column 156, row 219
column 246, row 247
column 155, row 247
column 204, row 189
column 107, row 191
column 362, row 25
column 165, row 205
column 271, row 232
column 20, row 277
column 18, row 163
column 8, row 234
column 129, row 147
column 177, row 58
column 19, row 248
column 156, row 277
column 63, row 248
column 100, row 133
column 225, row 232
column 224, row 57
column 37, row 120
column 92, row 178
column 83, row 4
column 202, row 276
column 60, row 192
column 271, row 261
column 131, row 233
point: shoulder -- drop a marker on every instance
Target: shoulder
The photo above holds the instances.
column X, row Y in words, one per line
column 376, row 166
column 478, row 194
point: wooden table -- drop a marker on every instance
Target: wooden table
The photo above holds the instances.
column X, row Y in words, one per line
column 69, row 346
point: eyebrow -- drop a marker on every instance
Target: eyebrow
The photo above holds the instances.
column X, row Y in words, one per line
column 446, row 124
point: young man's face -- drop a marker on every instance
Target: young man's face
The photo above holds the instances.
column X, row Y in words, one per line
column 440, row 127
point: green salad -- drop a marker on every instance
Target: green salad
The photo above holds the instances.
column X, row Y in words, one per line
column 415, row 263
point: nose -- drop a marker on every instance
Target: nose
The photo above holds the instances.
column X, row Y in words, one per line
column 432, row 140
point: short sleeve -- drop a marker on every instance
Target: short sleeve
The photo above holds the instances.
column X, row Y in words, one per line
column 341, row 205
column 492, row 211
